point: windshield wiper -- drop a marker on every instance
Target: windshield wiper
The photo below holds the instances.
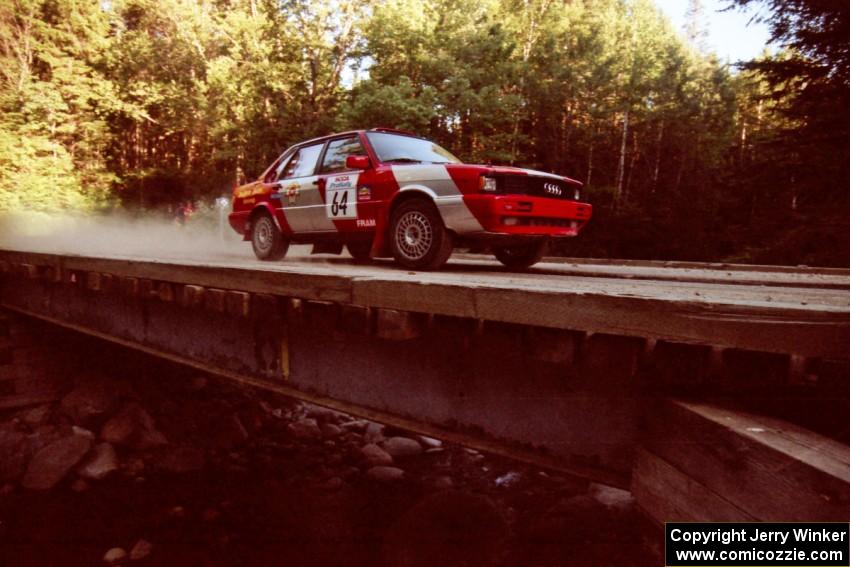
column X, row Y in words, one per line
column 402, row 160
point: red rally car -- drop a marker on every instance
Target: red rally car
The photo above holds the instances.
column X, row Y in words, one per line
column 384, row 192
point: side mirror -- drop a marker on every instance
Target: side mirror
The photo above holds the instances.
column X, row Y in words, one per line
column 357, row 162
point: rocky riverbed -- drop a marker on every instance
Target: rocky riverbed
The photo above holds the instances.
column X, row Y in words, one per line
column 140, row 462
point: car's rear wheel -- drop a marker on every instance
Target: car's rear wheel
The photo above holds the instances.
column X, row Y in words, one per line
column 418, row 237
column 520, row 256
column 267, row 240
column 360, row 250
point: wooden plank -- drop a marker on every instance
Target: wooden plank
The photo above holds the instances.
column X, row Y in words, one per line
column 355, row 320
column 808, row 322
column 129, row 286
column 238, row 303
column 264, row 306
column 680, row 365
column 93, row 281
column 321, row 316
column 552, row 345
column 146, row 288
column 399, row 325
column 773, row 470
column 29, row 271
column 107, row 282
column 52, row 274
column 666, row 494
column 165, row 292
column 214, row 300
column 609, row 363
column 191, row 296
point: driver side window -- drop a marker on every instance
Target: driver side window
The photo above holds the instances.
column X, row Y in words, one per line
column 338, row 150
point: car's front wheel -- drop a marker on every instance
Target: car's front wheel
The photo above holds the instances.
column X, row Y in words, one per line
column 418, row 237
column 520, row 256
column 268, row 242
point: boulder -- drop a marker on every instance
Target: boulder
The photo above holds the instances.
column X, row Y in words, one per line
column 37, row 416
column 376, row 456
column 115, row 556
column 52, row 463
column 99, row 463
column 132, row 426
column 306, row 428
column 430, row 442
column 402, row 447
column 374, row 433
column 89, row 400
column 330, row 430
column 140, row 550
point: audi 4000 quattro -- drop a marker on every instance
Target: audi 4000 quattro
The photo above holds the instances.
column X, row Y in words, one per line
column 384, row 193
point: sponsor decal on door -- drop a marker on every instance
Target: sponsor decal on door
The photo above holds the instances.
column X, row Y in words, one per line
column 341, row 196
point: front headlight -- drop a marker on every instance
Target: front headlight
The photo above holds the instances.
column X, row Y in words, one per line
column 488, row 184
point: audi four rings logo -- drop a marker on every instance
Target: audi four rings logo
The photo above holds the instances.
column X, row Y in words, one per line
column 552, row 188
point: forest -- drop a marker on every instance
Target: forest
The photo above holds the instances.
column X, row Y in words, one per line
column 138, row 105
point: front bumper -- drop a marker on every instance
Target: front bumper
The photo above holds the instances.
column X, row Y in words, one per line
column 529, row 216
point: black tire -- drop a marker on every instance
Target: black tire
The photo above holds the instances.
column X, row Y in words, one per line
column 268, row 242
column 360, row 250
column 520, row 256
column 418, row 238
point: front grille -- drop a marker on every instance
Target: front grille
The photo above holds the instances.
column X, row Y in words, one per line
column 535, row 187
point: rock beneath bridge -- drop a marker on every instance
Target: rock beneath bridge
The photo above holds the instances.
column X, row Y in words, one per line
column 53, row 462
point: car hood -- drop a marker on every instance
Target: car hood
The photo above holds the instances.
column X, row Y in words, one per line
column 509, row 170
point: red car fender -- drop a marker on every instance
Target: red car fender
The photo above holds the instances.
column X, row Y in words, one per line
column 277, row 216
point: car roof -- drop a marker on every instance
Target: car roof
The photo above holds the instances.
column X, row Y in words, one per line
column 351, row 132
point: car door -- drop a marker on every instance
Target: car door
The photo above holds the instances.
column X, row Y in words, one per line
column 339, row 183
column 298, row 184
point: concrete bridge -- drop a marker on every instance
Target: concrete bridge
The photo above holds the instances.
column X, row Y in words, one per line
column 664, row 378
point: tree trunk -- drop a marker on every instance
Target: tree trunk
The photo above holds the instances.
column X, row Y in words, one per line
column 657, row 169
column 621, row 166
column 632, row 161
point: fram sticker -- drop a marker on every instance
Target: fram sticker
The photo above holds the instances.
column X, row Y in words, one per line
column 340, row 200
column 365, row 223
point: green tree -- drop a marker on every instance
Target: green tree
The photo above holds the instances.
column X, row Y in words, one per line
column 53, row 105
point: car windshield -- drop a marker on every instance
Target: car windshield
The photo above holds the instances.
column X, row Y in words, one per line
column 393, row 148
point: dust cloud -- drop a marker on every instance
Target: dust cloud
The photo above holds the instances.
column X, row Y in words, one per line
column 204, row 236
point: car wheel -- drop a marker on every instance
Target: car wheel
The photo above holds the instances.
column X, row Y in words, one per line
column 418, row 237
column 360, row 250
column 268, row 242
column 520, row 256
